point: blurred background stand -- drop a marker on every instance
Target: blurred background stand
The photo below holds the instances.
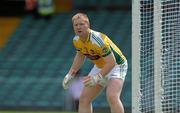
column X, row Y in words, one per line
column 36, row 52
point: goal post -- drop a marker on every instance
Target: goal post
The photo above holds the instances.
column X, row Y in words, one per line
column 155, row 56
column 135, row 56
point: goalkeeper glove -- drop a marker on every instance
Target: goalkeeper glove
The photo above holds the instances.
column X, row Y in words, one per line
column 67, row 81
column 91, row 81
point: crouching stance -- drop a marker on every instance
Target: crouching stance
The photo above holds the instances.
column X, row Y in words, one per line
column 110, row 66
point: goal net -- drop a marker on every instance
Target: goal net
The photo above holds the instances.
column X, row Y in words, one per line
column 156, row 56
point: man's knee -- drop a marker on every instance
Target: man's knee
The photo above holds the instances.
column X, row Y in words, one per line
column 84, row 99
column 112, row 98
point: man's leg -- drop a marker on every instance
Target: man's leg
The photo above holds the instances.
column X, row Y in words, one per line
column 87, row 96
column 114, row 88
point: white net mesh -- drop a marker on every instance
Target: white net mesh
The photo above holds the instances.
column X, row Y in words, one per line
column 168, row 18
column 146, row 57
column 170, row 58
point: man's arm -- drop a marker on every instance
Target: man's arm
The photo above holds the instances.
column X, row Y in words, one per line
column 77, row 63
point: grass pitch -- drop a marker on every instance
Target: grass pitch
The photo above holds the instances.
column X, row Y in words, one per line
column 38, row 112
column 33, row 112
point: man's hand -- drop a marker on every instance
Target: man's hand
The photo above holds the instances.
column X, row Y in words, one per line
column 91, row 81
column 67, row 81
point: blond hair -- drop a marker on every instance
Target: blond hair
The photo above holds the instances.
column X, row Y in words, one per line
column 79, row 15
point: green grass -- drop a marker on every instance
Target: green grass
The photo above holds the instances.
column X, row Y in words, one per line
column 36, row 112
column 33, row 112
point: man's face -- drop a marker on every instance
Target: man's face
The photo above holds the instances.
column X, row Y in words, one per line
column 80, row 26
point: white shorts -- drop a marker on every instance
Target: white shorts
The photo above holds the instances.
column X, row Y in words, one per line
column 119, row 71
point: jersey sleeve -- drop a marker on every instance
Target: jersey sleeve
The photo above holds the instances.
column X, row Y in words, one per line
column 105, row 49
column 75, row 43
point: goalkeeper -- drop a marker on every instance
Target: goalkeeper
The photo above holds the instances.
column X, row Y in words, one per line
column 109, row 70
